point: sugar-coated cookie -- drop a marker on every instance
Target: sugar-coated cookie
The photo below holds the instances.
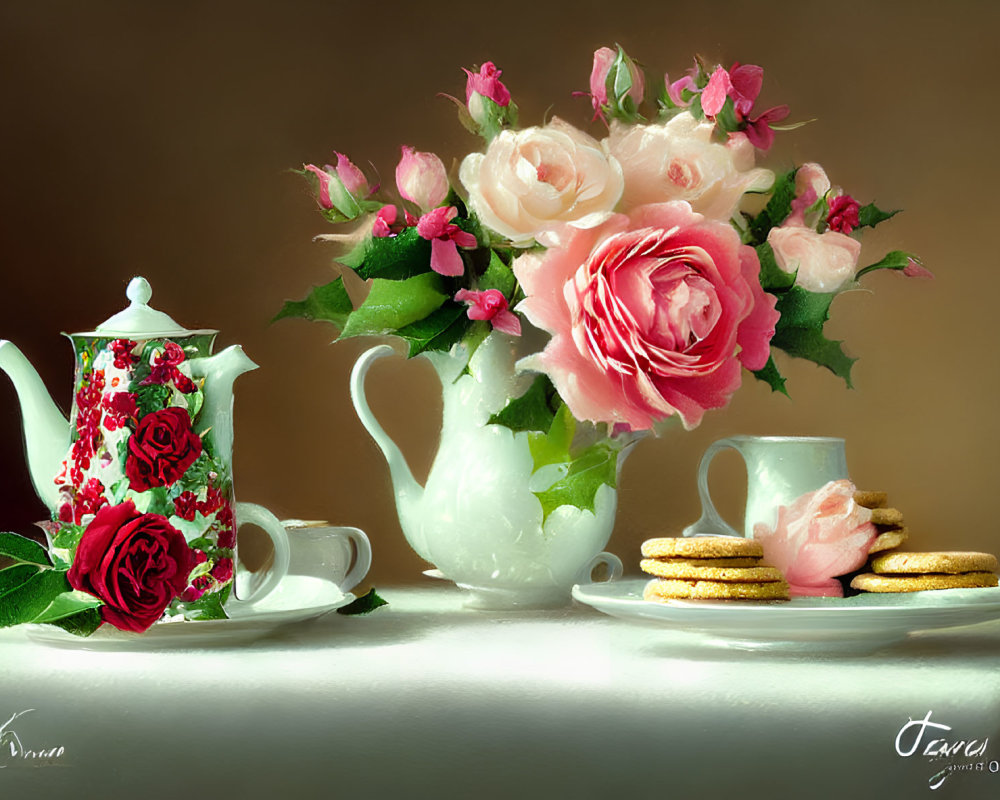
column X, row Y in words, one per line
column 747, row 561
column 888, row 538
column 702, row 547
column 871, row 499
column 660, row 589
column 667, row 569
column 903, row 563
column 870, row 582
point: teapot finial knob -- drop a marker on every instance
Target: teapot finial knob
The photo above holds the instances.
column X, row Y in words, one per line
column 139, row 291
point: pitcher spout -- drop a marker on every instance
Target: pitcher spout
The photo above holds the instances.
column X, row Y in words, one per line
column 405, row 487
column 219, row 372
column 46, row 429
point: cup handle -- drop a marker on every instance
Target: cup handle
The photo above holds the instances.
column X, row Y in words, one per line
column 613, row 563
column 260, row 587
column 710, row 522
column 362, row 558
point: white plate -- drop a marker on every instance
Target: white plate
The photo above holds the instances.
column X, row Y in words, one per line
column 828, row 621
column 296, row 599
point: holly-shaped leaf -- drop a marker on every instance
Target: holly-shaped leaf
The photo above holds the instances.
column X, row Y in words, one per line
column 800, row 331
column 394, row 304
column 871, row 215
column 532, row 411
column 363, row 605
column 329, row 303
column 498, row 276
column 553, row 446
column 778, row 207
column 772, row 277
column 594, row 467
column 395, row 257
column 772, row 377
column 438, row 331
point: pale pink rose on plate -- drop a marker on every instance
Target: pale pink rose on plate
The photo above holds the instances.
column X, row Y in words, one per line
column 679, row 160
column 821, row 535
column 826, row 262
column 651, row 314
column 531, row 181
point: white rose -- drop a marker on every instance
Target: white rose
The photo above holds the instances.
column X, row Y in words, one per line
column 531, row 181
column 825, row 261
column 679, row 160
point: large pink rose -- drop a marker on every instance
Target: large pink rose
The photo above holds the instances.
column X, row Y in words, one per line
column 821, row 535
column 531, row 181
column 680, row 160
column 651, row 314
column 136, row 563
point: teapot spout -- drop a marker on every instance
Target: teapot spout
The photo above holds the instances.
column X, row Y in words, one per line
column 46, row 430
column 405, row 487
column 219, row 372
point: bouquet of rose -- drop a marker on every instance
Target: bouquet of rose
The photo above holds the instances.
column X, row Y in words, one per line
column 660, row 259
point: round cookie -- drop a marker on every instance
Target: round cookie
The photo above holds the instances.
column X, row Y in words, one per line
column 871, row 499
column 887, row 516
column 714, row 562
column 917, row 563
column 702, row 547
column 888, row 539
column 870, row 582
column 667, row 569
column 660, row 589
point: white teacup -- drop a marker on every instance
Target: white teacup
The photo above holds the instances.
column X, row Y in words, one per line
column 321, row 550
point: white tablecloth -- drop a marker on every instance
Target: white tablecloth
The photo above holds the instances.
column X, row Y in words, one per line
column 425, row 698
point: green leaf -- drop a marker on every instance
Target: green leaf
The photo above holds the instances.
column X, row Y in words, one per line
column 154, row 501
column 68, row 536
column 13, row 577
column 532, row 411
column 194, row 401
column 151, row 397
column 871, row 215
column 498, row 276
column 772, row 377
column 393, row 304
column 772, row 277
column 439, row 331
column 778, row 207
column 594, row 467
column 396, row 257
column 328, row 303
column 21, row 548
column 68, row 604
column 363, row 605
column 897, row 259
column 553, row 446
column 208, row 606
column 81, row 624
column 726, row 118
column 25, row 599
column 800, row 331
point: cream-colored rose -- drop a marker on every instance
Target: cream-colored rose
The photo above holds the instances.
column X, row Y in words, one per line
column 531, row 181
column 826, row 262
column 679, row 160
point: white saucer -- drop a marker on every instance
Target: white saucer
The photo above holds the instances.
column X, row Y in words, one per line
column 828, row 622
column 296, row 599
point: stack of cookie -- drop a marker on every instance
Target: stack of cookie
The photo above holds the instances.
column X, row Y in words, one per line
column 709, row 568
column 887, row 521
column 918, row 572
column 898, row 571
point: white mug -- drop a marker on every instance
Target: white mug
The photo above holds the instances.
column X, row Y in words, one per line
column 321, row 550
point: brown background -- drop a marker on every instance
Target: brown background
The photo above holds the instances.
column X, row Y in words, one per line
column 155, row 139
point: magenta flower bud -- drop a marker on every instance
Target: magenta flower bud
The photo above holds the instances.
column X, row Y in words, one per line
column 421, row 178
column 353, row 178
column 486, row 83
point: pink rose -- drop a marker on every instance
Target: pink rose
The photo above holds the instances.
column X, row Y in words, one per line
column 531, row 181
column 486, row 83
column 421, row 178
column 680, row 161
column 604, row 62
column 651, row 314
column 821, row 535
column 825, row 262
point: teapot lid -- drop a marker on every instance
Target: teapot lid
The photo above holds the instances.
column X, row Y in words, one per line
column 139, row 320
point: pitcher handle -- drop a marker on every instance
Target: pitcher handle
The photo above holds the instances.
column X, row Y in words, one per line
column 260, row 587
column 711, row 523
column 362, row 558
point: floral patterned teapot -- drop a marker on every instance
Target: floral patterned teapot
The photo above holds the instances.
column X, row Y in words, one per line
column 139, row 479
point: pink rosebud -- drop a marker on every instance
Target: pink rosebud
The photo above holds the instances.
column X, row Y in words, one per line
column 603, row 59
column 491, row 306
column 486, row 83
column 843, row 216
column 914, row 269
column 715, row 94
column 421, row 178
column 353, row 178
column 385, row 218
column 324, row 185
column 603, row 72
